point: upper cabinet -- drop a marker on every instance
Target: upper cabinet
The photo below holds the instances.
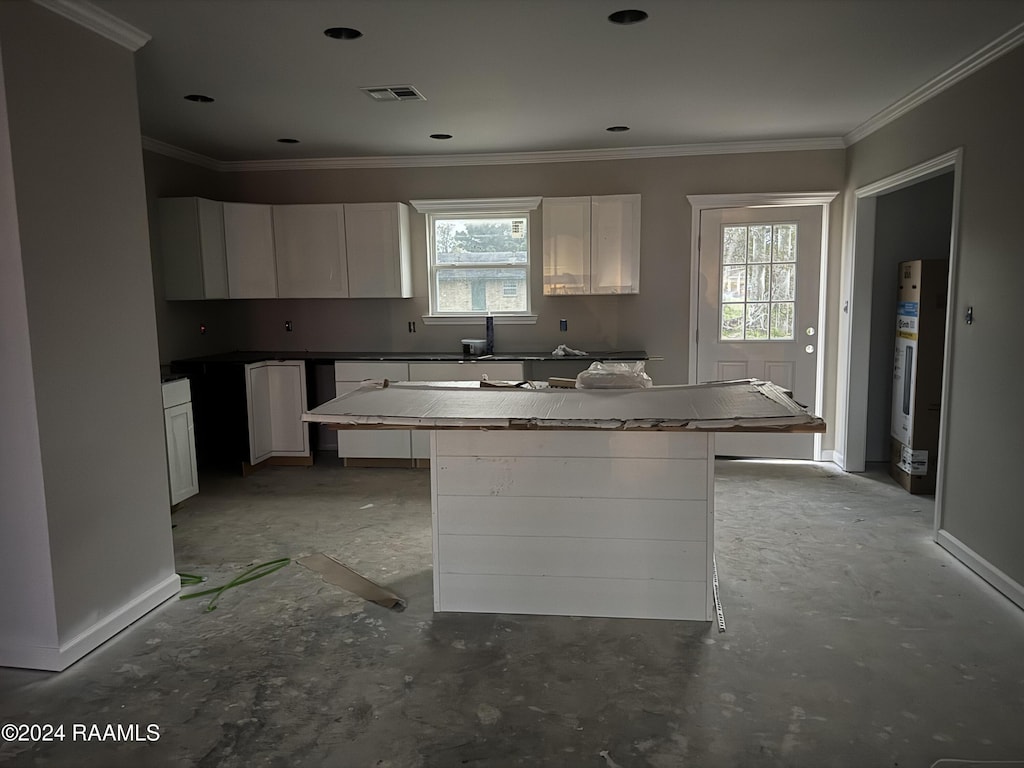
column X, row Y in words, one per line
column 249, row 245
column 217, row 250
column 309, row 243
column 379, row 263
column 591, row 244
column 192, row 248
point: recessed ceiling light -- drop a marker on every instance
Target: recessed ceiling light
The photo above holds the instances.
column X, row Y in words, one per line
column 617, row 128
column 288, row 141
column 199, row 97
column 343, row 33
column 440, row 136
column 630, row 16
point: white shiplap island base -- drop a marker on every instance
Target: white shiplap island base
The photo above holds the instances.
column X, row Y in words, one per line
column 572, row 502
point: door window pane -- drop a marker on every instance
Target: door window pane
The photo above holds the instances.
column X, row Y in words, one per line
column 757, row 282
column 782, row 321
column 757, row 321
column 783, row 282
column 732, row 322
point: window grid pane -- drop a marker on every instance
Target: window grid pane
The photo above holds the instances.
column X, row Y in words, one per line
column 758, row 282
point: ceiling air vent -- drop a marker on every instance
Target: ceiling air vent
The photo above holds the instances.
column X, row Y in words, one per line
column 393, row 93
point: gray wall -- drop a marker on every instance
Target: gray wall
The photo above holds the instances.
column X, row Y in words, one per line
column 656, row 320
column 87, row 292
column 911, row 223
column 981, row 500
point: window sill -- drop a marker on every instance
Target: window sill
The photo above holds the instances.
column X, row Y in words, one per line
column 478, row 319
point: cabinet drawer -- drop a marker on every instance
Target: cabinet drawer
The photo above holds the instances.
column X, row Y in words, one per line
column 176, row 392
column 468, row 370
column 360, row 371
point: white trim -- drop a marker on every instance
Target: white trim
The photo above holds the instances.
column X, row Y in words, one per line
column 62, row 657
column 101, row 22
column 169, row 150
column 1001, row 581
column 700, row 203
column 511, row 158
column 478, row 205
column 965, row 68
column 858, row 265
column 477, row 319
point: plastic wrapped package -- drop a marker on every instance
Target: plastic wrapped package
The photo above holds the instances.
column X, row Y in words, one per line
column 614, row 376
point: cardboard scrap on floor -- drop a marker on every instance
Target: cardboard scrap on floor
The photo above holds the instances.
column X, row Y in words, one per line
column 339, row 574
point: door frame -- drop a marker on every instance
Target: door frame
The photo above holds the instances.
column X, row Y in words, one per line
column 699, row 203
column 855, row 319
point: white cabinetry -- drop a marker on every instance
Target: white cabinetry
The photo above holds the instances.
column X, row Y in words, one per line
column 192, row 248
column 370, row 443
column 592, row 244
column 276, row 398
column 249, row 244
column 309, row 245
column 179, row 430
column 468, row 370
column 377, row 239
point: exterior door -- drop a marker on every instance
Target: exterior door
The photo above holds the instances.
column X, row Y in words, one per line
column 758, row 311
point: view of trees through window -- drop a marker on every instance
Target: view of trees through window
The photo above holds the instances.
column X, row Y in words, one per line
column 758, row 282
column 480, row 264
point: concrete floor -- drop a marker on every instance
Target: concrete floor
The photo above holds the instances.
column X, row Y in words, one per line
column 852, row 640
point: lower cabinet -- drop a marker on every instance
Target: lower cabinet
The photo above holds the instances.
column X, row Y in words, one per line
column 246, row 414
column 179, row 430
column 400, row 443
column 370, row 443
column 467, row 370
column 276, row 398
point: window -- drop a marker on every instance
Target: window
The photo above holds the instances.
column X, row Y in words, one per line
column 478, row 257
column 758, row 282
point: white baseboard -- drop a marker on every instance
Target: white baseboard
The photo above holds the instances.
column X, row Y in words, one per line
column 56, row 659
column 1012, row 589
column 829, row 455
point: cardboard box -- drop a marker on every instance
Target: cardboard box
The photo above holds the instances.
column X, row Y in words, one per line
column 913, row 469
column 917, row 372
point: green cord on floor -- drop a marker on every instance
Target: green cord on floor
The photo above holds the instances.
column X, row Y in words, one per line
column 256, row 572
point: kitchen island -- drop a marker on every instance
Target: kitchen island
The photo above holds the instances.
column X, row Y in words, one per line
column 572, row 502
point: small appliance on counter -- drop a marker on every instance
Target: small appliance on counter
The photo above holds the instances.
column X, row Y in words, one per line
column 474, row 347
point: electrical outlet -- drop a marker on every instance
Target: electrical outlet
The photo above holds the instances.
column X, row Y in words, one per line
column 288, row 325
column 412, row 326
column 563, row 325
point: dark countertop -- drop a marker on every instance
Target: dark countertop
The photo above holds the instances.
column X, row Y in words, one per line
column 256, row 356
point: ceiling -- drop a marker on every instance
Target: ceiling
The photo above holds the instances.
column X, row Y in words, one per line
column 527, row 76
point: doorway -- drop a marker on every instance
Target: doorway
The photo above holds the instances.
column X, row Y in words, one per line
column 855, row 331
column 758, row 275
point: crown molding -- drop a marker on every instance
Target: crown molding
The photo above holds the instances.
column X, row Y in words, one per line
column 498, row 158
column 967, row 67
column 99, row 21
column 169, row 150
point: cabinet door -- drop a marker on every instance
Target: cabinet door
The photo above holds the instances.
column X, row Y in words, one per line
column 615, row 244
column 249, row 244
column 181, row 452
column 258, row 399
column 566, row 245
column 276, row 392
column 377, row 238
column 309, row 245
column 191, row 238
column 371, row 443
column 462, row 371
